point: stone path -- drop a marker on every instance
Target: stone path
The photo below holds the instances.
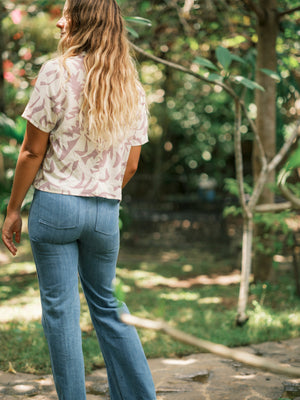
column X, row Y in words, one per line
column 200, row 376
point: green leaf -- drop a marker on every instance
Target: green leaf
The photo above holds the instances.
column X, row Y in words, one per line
column 139, row 20
column 215, row 78
column 11, row 129
column 248, row 83
column 224, row 57
column 294, row 160
column 205, row 63
column 232, row 210
column 132, row 32
column 271, row 74
column 238, row 59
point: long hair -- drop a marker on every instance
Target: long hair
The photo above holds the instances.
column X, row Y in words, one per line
column 112, row 89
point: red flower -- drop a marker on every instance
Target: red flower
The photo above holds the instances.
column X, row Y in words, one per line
column 7, row 65
column 18, row 35
column 55, row 12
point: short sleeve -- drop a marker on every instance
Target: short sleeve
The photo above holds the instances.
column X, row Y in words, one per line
column 42, row 108
column 140, row 135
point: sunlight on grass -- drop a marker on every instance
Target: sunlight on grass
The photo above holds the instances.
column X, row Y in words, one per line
column 146, row 279
column 85, row 318
column 197, row 296
column 185, row 315
column 265, row 319
column 187, row 268
column 180, row 296
column 210, row 300
column 294, row 319
column 148, row 336
column 19, row 293
column 30, row 310
column 14, row 268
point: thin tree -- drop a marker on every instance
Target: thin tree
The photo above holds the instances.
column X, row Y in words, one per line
column 267, row 27
column 267, row 160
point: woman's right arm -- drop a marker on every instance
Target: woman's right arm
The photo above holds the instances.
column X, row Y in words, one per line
column 30, row 158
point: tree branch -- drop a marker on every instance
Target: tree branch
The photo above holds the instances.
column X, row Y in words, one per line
column 218, row 349
column 262, row 154
column 284, row 149
column 286, row 12
column 275, row 207
column 295, row 201
column 239, row 158
column 182, row 13
column 188, row 5
column 179, row 67
column 288, row 194
column 258, row 188
column 254, row 7
column 266, row 168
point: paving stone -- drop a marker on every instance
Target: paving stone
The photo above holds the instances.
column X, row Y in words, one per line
column 291, row 389
column 23, row 389
column 200, row 376
column 98, row 389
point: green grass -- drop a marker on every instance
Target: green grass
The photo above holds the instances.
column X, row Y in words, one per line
column 169, row 290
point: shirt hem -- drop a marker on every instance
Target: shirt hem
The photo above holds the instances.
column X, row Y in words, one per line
column 105, row 195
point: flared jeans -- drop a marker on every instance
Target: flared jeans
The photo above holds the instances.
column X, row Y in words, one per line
column 71, row 236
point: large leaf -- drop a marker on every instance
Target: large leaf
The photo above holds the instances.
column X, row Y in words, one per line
column 271, row 74
column 215, row 78
column 7, row 126
column 248, row 83
column 224, row 57
column 238, row 59
column 138, row 20
column 294, row 160
column 132, row 32
column 12, row 129
column 204, row 62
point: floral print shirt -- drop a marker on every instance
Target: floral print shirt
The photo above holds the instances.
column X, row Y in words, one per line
column 73, row 164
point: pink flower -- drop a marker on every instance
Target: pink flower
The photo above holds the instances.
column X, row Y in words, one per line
column 27, row 55
column 16, row 16
column 9, row 77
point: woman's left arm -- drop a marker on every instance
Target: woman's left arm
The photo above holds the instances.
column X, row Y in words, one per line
column 29, row 161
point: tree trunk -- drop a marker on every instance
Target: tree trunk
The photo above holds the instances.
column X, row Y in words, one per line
column 267, row 30
column 245, row 271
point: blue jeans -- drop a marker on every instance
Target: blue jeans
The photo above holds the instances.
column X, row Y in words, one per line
column 73, row 235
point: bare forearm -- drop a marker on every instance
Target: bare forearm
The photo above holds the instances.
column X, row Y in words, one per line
column 26, row 170
column 132, row 164
column 127, row 176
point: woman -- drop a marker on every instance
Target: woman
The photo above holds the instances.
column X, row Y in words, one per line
column 86, row 122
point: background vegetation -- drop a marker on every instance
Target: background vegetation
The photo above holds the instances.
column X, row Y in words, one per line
column 188, row 165
column 194, row 288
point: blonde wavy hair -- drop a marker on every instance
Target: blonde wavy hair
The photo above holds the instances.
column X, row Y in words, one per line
column 112, row 90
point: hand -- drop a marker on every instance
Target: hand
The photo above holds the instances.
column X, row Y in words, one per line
column 12, row 227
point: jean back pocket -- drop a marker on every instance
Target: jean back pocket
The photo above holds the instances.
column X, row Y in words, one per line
column 58, row 211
